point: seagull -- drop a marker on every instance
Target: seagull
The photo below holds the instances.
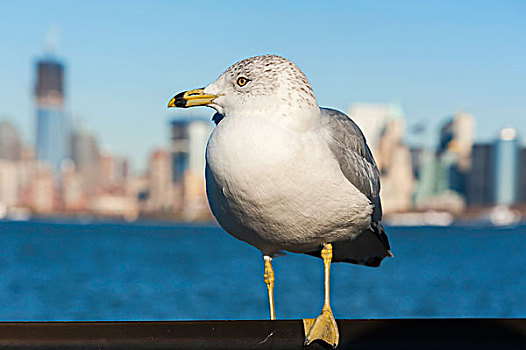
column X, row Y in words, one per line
column 284, row 174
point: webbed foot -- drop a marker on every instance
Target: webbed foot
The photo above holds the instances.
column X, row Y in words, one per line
column 324, row 328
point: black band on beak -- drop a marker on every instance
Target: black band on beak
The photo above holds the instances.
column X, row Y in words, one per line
column 191, row 98
column 178, row 100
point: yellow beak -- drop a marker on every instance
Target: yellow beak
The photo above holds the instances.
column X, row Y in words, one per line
column 191, row 98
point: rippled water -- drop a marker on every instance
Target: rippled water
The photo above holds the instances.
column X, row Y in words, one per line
column 171, row 272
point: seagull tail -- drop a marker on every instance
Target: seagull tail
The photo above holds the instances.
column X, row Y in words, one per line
column 369, row 248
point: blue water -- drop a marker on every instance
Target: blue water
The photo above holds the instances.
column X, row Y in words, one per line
column 173, row 272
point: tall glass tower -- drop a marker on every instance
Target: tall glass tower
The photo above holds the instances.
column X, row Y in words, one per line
column 506, row 167
column 53, row 132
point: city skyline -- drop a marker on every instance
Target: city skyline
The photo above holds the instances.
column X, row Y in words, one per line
column 434, row 59
column 458, row 176
column 69, row 173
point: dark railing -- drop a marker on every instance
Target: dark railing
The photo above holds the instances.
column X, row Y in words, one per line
column 286, row 334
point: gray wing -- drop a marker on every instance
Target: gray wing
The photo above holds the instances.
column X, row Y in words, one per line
column 354, row 156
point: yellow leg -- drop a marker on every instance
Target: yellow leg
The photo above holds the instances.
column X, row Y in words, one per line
column 269, row 281
column 324, row 327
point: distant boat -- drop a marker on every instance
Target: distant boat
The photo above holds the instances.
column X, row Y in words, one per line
column 503, row 215
column 428, row 218
column 14, row 214
column 438, row 218
column 19, row 214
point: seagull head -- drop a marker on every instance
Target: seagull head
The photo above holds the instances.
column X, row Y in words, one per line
column 266, row 85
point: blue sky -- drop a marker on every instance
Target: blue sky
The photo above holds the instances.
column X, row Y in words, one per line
column 126, row 59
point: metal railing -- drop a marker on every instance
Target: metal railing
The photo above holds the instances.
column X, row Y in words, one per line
column 286, row 334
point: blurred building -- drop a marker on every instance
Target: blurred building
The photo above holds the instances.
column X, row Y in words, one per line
column 115, row 205
column 498, row 172
column 16, row 168
column 160, row 184
column 9, row 183
column 189, row 137
column 86, row 157
column 74, row 194
column 113, row 171
column 506, row 167
column 480, row 179
column 427, row 174
column 10, row 142
column 456, row 136
column 522, row 176
column 443, row 175
column 454, row 153
column 42, row 196
column 374, row 119
column 383, row 126
column 53, row 133
column 137, row 187
column 113, row 196
column 416, row 160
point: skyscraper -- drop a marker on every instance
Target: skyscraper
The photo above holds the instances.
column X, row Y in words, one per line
column 506, row 167
column 480, row 178
column 160, row 184
column 374, row 119
column 189, row 138
column 454, row 152
column 384, row 127
column 10, row 143
column 522, row 176
column 86, row 156
column 456, row 136
column 53, row 135
column 179, row 137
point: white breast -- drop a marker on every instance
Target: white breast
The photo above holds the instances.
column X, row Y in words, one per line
column 280, row 189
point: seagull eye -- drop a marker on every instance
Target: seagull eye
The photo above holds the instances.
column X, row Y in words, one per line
column 241, row 81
